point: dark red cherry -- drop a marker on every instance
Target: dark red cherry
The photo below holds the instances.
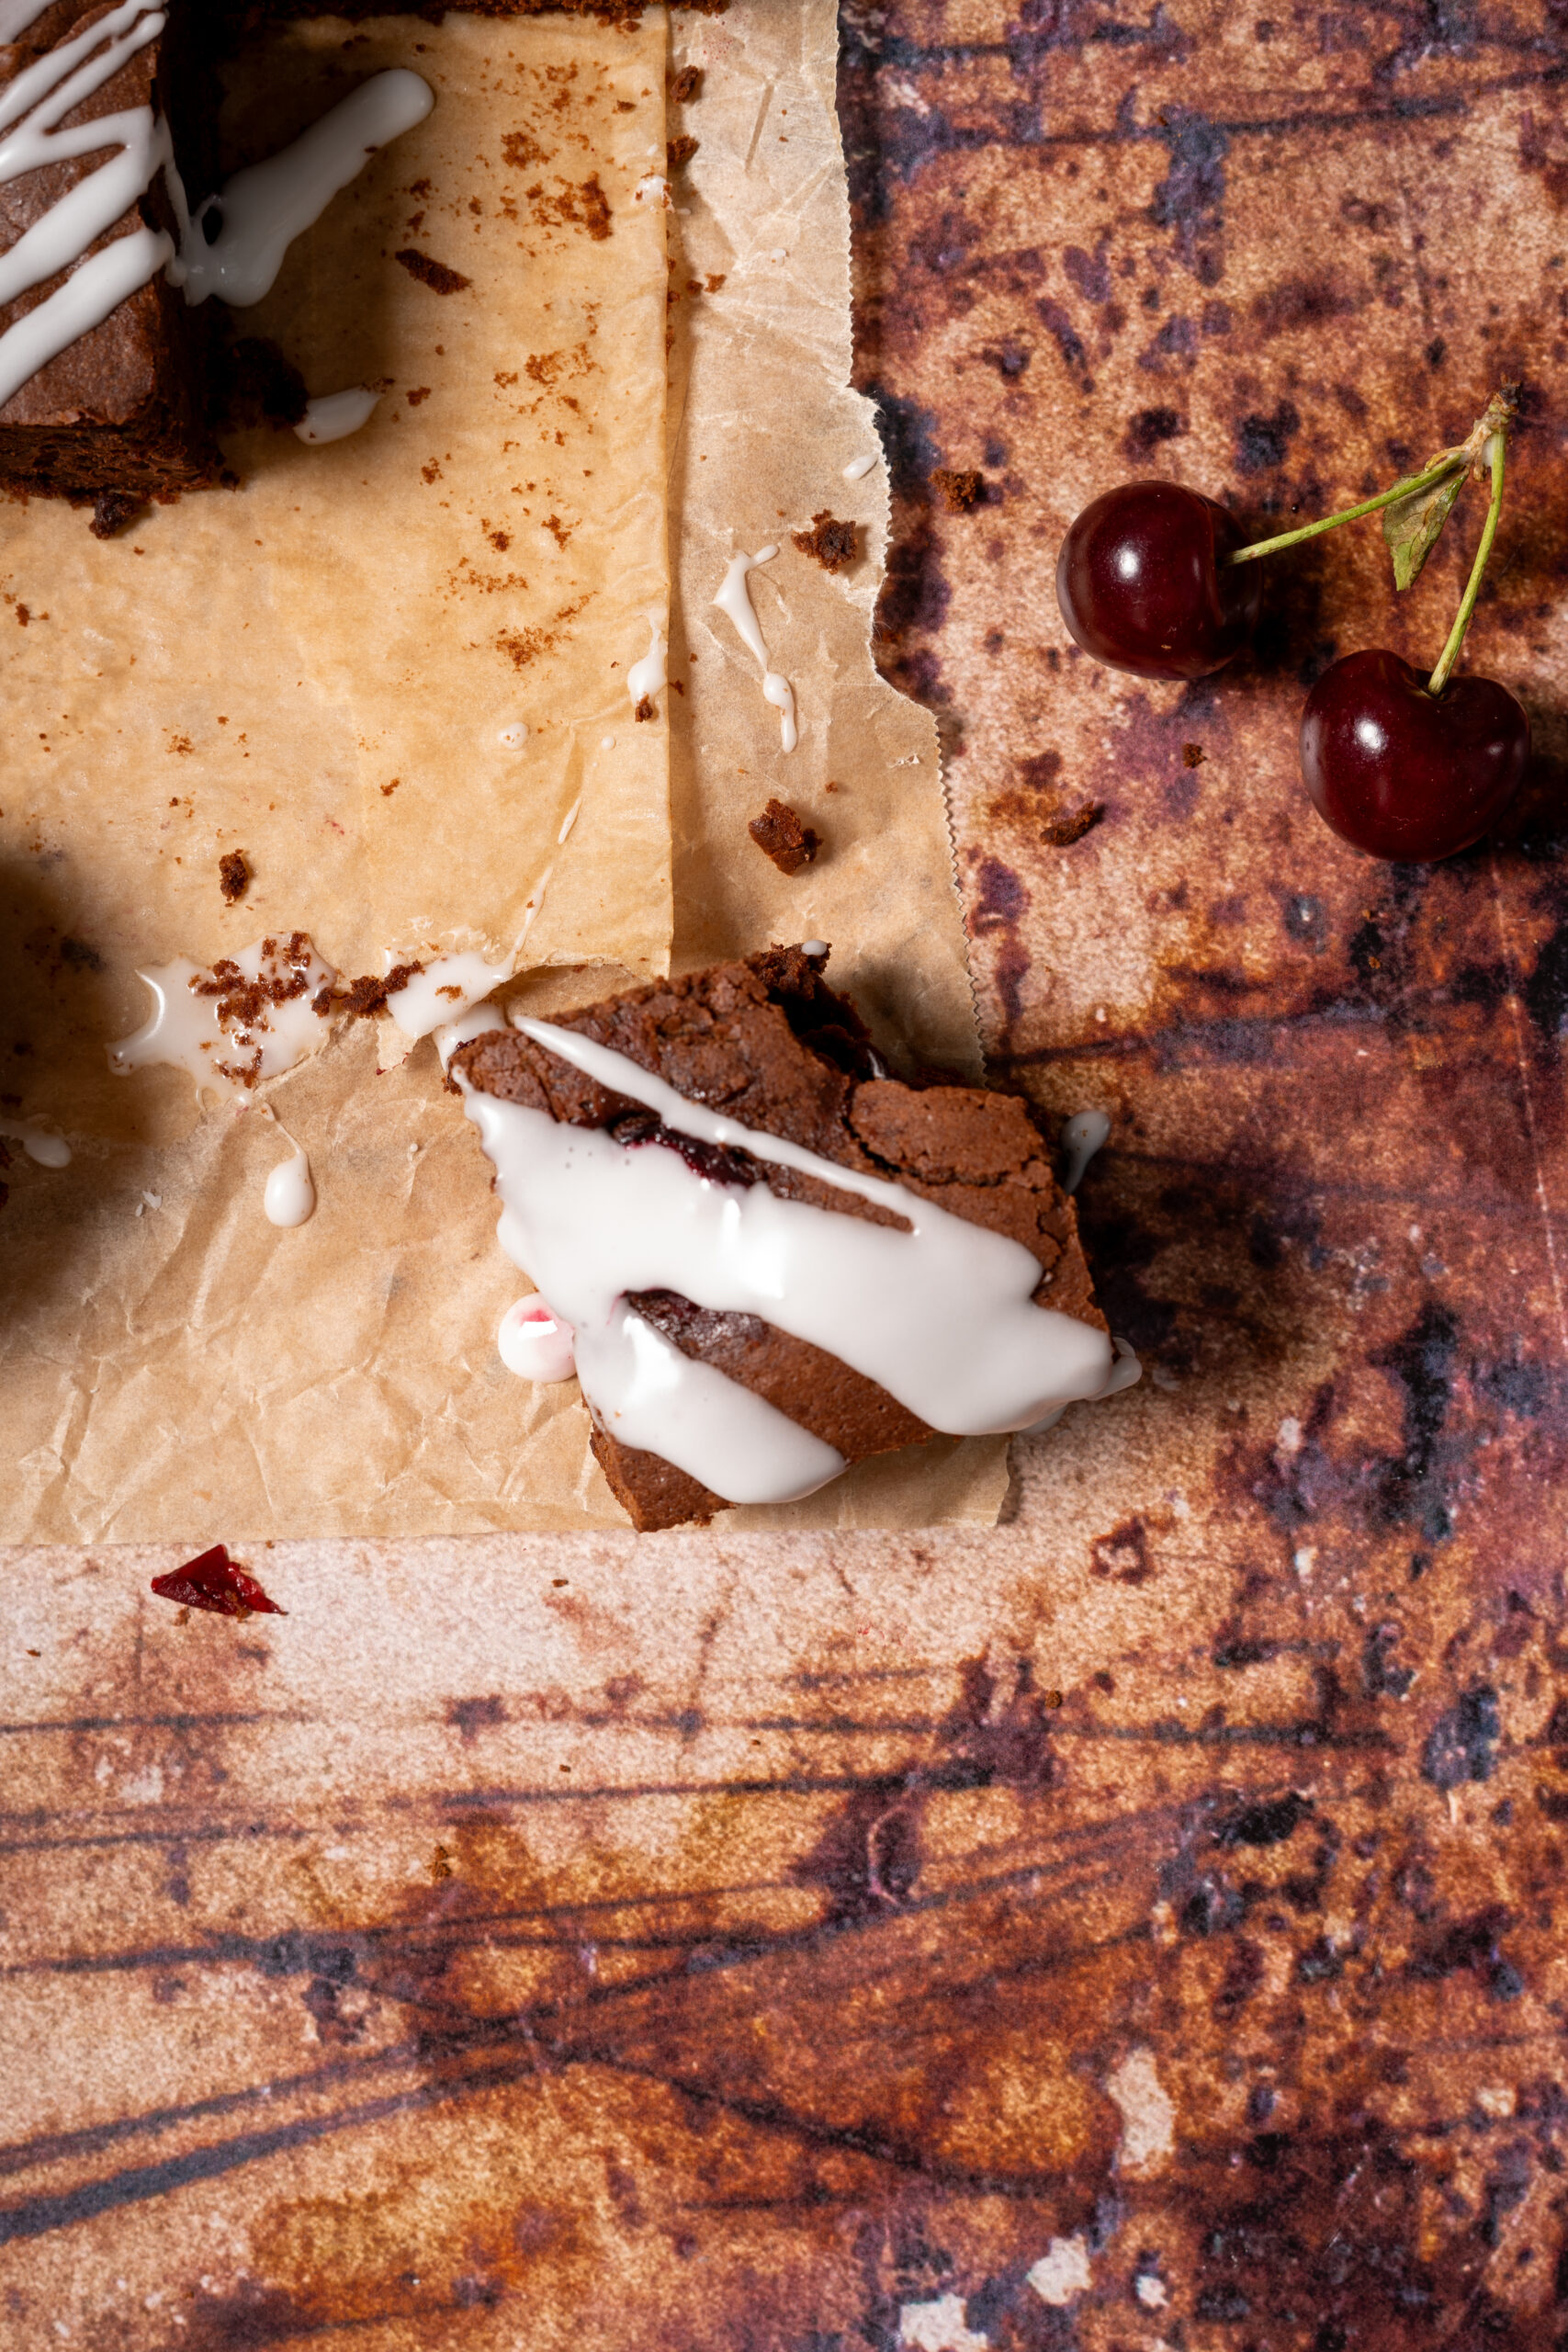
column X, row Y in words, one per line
column 1407, row 774
column 1141, row 586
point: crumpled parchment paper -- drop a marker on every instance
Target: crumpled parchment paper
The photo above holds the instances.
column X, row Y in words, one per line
column 170, row 1363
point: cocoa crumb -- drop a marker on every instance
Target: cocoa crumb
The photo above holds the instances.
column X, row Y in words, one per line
column 388, row 789
column 714, row 280
column 1064, row 831
column 234, row 875
column 959, row 491
column 361, row 999
column 779, row 834
column 832, row 543
column 419, row 392
column 1192, row 755
column 686, row 84
column 679, row 150
column 645, row 709
column 431, row 273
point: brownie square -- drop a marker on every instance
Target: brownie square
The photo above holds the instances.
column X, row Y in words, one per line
column 769, row 1043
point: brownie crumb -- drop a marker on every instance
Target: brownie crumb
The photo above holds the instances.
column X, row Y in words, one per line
column 1067, row 830
column 112, row 510
column 832, row 543
column 363, row 999
column 680, row 151
column 434, row 274
column 645, row 709
column 686, row 85
column 714, row 280
column 1192, row 755
column 779, row 834
column 959, row 491
column 234, row 875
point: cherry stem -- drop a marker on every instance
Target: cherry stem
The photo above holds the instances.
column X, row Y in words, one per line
column 1451, row 462
column 1450, row 654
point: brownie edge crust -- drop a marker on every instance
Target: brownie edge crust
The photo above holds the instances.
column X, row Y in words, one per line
column 766, row 1042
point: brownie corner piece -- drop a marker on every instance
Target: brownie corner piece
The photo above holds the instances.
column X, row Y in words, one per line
column 119, row 413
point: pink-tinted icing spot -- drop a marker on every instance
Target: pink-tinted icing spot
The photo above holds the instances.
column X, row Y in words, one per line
column 534, row 1341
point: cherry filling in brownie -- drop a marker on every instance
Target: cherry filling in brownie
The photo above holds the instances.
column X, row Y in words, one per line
column 771, row 1259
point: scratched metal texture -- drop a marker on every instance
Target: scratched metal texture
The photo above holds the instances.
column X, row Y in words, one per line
column 1138, row 1926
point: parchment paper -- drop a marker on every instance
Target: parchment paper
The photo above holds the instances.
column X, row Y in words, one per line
column 188, row 1366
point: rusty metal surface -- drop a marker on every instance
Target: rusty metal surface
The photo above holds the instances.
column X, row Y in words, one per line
column 1140, row 1925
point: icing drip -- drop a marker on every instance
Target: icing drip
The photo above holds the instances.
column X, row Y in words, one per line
column 568, row 822
column 290, row 1194
column 858, row 468
column 462, row 1032
column 49, row 1151
column 735, row 599
column 649, row 676
column 232, row 1025
column 1082, row 1137
column 263, row 210
column 534, row 1342
column 336, row 415
column 942, row 1316
column 447, row 987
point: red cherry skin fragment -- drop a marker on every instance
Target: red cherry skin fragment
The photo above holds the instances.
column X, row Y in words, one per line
column 213, row 1580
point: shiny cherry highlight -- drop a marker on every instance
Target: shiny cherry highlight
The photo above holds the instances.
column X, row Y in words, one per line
column 1404, row 773
column 1143, row 585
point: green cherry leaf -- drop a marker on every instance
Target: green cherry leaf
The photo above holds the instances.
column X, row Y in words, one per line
column 1412, row 527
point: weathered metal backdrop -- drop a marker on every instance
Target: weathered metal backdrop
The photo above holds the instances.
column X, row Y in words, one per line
column 1140, row 1925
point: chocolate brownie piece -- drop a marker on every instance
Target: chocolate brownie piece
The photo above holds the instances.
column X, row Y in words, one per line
column 118, row 414
column 768, row 1043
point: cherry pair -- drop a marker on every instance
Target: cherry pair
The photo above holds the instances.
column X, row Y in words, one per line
column 1153, row 577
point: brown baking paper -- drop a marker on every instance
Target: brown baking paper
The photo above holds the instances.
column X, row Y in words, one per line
column 174, row 1362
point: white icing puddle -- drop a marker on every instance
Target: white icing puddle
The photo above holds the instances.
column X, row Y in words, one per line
column 254, row 219
column 858, row 468
column 534, row 1342
column 231, row 1025
column 336, row 415
column 649, row 677
column 733, row 599
column 448, row 986
column 942, row 1316
column 1083, row 1133
column 48, row 1149
column 514, row 735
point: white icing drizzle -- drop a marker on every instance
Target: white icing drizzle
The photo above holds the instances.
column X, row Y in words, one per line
column 735, row 600
column 197, row 1025
column 534, row 1341
column 40, row 1144
column 568, row 822
column 858, row 468
column 448, row 986
column 649, row 676
column 291, row 1193
column 334, row 415
column 264, row 208
column 940, row 1316
column 814, row 947
column 1082, row 1137
column 15, row 16
column 514, row 733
